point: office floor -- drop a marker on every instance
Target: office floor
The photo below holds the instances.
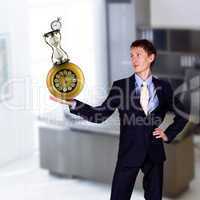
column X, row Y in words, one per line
column 24, row 180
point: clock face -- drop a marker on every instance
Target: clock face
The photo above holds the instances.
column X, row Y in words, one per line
column 56, row 25
column 65, row 81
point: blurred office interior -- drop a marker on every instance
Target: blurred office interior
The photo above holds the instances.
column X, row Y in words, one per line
column 46, row 152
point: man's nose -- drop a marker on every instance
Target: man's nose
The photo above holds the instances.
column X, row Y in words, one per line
column 134, row 60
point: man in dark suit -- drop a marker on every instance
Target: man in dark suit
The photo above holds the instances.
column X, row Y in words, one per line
column 142, row 101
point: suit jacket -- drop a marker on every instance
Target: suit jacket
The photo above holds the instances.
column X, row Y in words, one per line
column 136, row 137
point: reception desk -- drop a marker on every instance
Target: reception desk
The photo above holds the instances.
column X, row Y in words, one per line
column 91, row 153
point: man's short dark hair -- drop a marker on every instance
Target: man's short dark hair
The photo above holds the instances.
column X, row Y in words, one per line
column 147, row 46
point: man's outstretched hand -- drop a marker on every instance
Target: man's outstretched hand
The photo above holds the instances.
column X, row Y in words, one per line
column 67, row 102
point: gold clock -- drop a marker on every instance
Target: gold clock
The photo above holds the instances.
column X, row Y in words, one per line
column 65, row 80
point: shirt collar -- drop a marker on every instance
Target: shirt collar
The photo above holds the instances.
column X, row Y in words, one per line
column 139, row 80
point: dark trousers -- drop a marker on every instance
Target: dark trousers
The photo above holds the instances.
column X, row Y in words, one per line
column 124, row 180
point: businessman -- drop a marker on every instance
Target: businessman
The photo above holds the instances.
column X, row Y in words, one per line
column 142, row 101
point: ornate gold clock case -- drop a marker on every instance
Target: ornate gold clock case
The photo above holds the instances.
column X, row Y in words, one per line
column 65, row 80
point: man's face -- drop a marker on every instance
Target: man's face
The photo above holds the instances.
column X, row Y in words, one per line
column 140, row 59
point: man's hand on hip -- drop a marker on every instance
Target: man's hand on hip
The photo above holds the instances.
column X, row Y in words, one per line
column 159, row 133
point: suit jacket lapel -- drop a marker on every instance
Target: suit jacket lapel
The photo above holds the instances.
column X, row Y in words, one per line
column 158, row 90
column 135, row 99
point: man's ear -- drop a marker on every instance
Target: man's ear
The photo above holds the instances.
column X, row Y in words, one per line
column 152, row 57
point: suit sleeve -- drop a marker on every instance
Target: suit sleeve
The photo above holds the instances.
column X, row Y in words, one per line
column 180, row 119
column 100, row 113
